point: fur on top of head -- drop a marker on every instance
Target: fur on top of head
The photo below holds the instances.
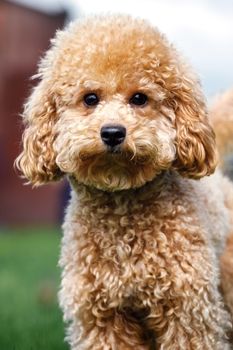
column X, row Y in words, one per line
column 115, row 72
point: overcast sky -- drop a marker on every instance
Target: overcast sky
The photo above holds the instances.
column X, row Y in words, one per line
column 201, row 29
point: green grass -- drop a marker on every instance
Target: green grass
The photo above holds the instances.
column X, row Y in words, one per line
column 30, row 318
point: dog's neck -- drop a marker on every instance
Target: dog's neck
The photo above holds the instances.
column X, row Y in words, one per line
column 150, row 190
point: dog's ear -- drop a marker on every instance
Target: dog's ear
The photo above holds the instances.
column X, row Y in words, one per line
column 37, row 160
column 195, row 141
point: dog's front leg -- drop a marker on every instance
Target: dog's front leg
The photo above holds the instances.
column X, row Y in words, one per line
column 195, row 321
column 95, row 320
column 102, row 328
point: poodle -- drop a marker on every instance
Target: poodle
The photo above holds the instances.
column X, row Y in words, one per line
column 119, row 112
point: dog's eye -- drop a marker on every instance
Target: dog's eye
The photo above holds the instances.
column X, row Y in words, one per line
column 138, row 99
column 91, row 99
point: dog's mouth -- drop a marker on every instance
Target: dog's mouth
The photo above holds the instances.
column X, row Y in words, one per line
column 121, row 167
column 128, row 165
column 115, row 154
column 114, row 170
column 114, row 150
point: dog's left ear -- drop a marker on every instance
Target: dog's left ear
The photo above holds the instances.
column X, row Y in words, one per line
column 195, row 141
column 37, row 161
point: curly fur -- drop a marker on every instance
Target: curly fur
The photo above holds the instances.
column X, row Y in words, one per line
column 142, row 238
column 221, row 113
column 222, row 119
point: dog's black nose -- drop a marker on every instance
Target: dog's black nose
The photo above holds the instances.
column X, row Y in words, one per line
column 113, row 135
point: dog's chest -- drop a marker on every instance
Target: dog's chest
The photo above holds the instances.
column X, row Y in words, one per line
column 128, row 244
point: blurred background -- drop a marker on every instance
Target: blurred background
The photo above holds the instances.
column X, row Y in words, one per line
column 30, row 218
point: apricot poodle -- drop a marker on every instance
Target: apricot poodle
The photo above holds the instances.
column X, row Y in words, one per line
column 120, row 113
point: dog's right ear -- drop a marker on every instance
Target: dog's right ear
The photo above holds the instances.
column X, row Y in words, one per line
column 37, row 160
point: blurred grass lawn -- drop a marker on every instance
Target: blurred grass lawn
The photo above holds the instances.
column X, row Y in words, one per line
column 30, row 318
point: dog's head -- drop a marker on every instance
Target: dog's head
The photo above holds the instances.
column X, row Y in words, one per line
column 115, row 106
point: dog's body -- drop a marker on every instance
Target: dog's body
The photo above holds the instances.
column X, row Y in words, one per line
column 124, row 117
column 151, row 253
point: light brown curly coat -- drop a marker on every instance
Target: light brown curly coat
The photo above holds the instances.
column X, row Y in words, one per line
column 142, row 237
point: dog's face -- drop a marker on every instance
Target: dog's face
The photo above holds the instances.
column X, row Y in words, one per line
column 116, row 131
column 114, row 108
